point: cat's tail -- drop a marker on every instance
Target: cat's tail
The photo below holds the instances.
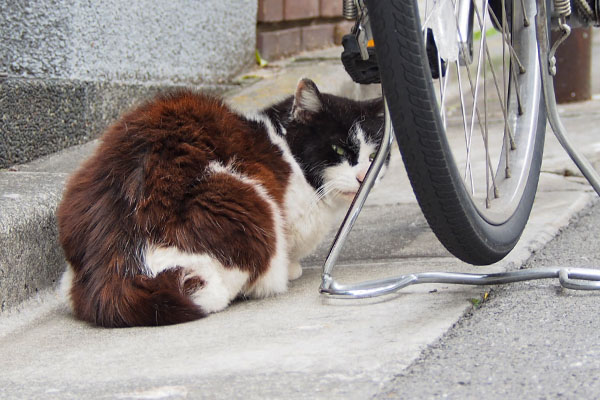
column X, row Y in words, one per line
column 139, row 301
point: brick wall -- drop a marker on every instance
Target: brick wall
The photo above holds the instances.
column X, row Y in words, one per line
column 286, row 27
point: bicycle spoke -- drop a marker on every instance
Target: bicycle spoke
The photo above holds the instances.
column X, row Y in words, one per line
column 468, row 171
column 507, row 38
column 480, row 61
column 486, row 138
column 424, row 24
column 443, row 88
column 481, row 127
column 474, row 94
column 502, row 100
column 514, row 56
column 525, row 17
column 507, row 132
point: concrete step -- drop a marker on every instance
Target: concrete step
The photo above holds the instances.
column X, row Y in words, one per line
column 43, row 116
column 31, row 258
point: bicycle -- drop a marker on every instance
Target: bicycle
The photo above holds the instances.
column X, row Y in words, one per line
column 476, row 195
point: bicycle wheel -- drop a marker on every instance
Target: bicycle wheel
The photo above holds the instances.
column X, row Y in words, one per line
column 472, row 139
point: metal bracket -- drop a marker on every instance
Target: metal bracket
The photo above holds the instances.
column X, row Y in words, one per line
column 566, row 31
column 362, row 30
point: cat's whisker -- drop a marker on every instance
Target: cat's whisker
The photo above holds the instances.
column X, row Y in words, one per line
column 329, row 187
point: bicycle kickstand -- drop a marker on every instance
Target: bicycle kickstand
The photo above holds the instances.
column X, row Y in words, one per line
column 572, row 278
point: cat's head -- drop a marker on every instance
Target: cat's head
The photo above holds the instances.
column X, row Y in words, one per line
column 334, row 139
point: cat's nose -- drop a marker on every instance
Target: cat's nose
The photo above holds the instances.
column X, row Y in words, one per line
column 360, row 177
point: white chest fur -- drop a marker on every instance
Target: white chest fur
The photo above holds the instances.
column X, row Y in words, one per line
column 307, row 217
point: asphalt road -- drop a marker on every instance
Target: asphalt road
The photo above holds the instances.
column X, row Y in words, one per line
column 531, row 340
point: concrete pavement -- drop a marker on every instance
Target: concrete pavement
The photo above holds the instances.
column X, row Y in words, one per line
column 298, row 345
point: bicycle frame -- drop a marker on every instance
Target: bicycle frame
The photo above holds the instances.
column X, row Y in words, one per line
column 572, row 278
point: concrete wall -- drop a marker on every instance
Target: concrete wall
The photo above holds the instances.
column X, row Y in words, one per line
column 69, row 67
column 127, row 40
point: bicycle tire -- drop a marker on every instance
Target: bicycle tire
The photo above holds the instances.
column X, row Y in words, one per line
column 435, row 178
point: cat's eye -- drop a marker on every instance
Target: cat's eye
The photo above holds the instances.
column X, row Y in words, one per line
column 338, row 150
column 372, row 156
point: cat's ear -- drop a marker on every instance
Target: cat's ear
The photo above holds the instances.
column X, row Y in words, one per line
column 307, row 101
column 376, row 107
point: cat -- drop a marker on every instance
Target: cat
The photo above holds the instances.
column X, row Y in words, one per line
column 187, row 205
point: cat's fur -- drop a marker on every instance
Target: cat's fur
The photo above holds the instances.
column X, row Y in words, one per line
column 187, row 205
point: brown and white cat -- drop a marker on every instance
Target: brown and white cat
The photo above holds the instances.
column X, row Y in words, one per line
column 186, row 205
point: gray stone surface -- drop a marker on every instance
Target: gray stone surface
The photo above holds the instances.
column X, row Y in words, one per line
column 141, row 41
column 297, row 345
column 68, row 68
column 40, row 117
column 43, row 116
column 35, row 37
column 30, row 258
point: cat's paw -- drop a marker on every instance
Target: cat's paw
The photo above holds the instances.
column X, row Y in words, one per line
column 294, row 270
